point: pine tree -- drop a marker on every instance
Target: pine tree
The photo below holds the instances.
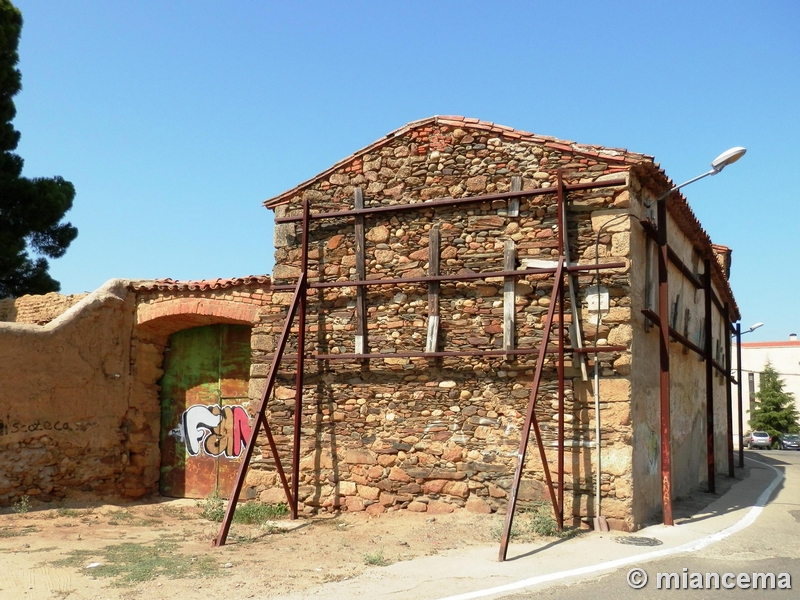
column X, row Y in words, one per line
column 775, row 412
column 31, row 210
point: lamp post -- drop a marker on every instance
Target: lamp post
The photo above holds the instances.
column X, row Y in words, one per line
column 718, row 164
column 739, row 334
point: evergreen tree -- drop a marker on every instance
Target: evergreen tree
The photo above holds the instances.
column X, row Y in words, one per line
column 775, row 412
column 31, row 210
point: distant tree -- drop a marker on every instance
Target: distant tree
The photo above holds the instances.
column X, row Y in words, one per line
column 775, row 411
column 31, row 210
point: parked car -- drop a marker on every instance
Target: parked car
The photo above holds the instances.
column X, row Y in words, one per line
column 759, row 439
column 790, row 441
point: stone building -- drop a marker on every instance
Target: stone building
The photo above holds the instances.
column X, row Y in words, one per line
column 392, row 417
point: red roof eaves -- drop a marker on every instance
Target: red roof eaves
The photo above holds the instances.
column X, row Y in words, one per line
column 202, row 284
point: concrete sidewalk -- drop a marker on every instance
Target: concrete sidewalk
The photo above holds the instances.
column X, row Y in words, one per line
column 473, row 573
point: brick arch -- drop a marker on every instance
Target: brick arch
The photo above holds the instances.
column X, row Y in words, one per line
column 169, row 316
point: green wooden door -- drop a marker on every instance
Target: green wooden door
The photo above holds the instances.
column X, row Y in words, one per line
column 204, row 424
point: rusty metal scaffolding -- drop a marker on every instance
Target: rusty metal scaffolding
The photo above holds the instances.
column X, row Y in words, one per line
column 563, row 268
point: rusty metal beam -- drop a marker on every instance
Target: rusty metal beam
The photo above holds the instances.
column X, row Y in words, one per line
column 728, row 392
column 457, row 353
column 452, row 277
column 442, row 202
column 560, row 453
column 710, row 455
column 680, row 338
column 739, row 391
column 664, row 380
column 530, row 421
column 260, row 419
column 298, row 391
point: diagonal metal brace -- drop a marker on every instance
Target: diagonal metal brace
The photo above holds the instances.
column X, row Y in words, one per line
column 530, row 420
column 260, row 420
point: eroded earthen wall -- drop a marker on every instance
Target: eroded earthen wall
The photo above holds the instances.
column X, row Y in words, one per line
column 71, row 420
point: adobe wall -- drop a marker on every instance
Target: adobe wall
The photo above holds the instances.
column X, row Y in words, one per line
column 37, row 310
column 433, row 435
column 71, row 424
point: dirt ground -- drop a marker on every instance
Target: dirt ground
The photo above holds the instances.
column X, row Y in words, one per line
column 162, row 548
column 76, row 552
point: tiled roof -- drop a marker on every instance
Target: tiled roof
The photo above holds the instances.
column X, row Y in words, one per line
column 201, row 285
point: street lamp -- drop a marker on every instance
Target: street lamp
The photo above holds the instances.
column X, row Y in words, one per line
column 728, row 157
column 739, row 334
column 718, row 164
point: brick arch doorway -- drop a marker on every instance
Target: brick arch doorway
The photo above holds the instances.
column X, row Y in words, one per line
column 204, row 422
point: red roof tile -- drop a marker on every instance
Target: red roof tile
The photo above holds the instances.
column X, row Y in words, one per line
column 201, row 285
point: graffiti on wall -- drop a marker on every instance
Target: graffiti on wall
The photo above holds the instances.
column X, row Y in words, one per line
column 214, row 430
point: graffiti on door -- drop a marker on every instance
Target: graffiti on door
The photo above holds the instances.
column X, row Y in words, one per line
column 214, row 430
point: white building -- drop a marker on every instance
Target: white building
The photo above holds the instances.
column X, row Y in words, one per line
column 784, row 358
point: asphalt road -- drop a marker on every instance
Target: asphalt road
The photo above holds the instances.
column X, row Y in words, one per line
column 770, row 545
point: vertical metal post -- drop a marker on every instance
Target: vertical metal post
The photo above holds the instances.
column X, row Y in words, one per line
column 576, row 336
column 560, row 515
column 301, row 339
column 739, row 391
column 562, row 245
column 664, row 387
column 530, row 421
column 707, row 353
column 728, row 390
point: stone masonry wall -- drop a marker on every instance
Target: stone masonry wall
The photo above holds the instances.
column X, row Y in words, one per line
column 433, row 435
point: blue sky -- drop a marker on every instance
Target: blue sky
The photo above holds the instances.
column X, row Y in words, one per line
column 174, row 120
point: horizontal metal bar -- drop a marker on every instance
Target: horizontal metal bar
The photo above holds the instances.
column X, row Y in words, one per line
column 687, row 272
column 453, row 277
column 652, row 232
column 432, row 204
column 456, row 353
column 653, row 316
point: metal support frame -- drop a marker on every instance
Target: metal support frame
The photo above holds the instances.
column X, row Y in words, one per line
column 728, row 392
column 739, row 391
column 260, row 419
column 531, row 421
column 710, row 458
column 298, row 307
column 663, row 348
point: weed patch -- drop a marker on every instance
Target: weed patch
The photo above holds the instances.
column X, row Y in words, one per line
column 9, row 532
column 123, row 517
column 22, row 506
column 376, row 559
column 249, row 513
column 129, row 564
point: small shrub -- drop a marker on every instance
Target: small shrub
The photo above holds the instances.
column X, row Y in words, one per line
column 376, row 559
column 213, row 508
column 22, row 506
column 541, row 521
column 249, row 513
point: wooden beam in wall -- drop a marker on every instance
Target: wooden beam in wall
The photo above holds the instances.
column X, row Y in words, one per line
column 513, row 203
column 432, row 339
column 509, row 296
column 361, row 274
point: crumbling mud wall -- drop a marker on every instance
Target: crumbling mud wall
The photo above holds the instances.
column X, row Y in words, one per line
column 71, row 420
column 37, row 310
